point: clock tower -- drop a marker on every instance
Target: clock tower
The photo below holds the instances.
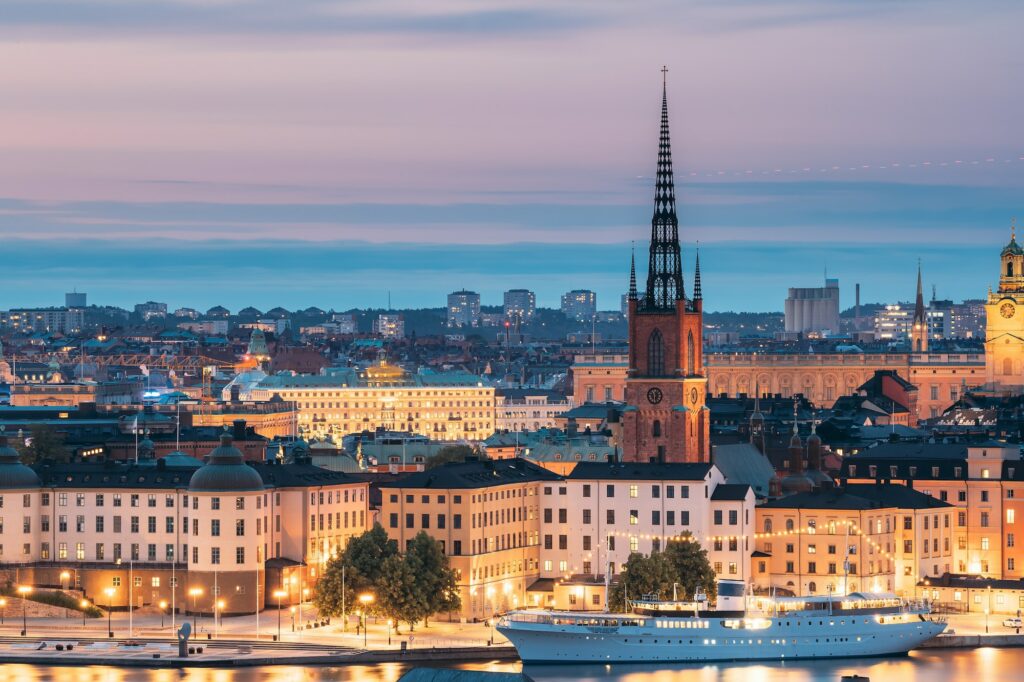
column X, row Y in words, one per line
column 665, row 418
column 1004, row 322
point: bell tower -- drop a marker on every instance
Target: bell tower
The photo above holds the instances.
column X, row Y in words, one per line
column 665, row 418
column 1004, row 322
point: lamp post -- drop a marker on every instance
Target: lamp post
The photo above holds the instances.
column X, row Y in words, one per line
column 218, row 609
column 194, row 592
column 65, row 577
column 24, row 591
column 365, row 599
column 3, row 610
column 390, row 623
column 163, row 610
column 291, row 610
column 84, row 604
column 988, row 607
column 110, row 609
column 279, row 594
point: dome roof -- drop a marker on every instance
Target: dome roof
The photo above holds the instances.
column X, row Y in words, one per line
column 1013, row 248
column 796, row 483
column 225, row 470
column 14, row 474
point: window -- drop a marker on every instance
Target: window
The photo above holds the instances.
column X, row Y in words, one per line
column 984, row 496
column 634, row 517
column 984, row 519
column 733, row 517
column 240, row 527
column 656, row 428
column 1010, row 515
column 634, row 543
column 215, row 503
column 240, row 502
column 609, row 490
column 718, row 517
column 984, row 544
column 609, row 516
column 634, row 491
column 214, row 555
column 586, row 516
column 239, row 555
column 586, row 490
column 655, row 354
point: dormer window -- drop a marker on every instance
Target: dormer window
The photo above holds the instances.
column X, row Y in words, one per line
column 957, row 471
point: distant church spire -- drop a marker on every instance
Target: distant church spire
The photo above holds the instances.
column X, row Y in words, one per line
column 919, row 303
column 632, row 274
column 919, row 327
column 697, row 295
column 664, row 270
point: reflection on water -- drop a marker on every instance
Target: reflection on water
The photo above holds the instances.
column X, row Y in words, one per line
column 981, row 665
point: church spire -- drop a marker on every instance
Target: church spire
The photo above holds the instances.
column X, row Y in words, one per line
column 697, row 295
column 919, row 303
column 632, row 273
column 664, row 271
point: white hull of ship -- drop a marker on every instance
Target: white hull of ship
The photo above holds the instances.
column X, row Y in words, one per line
column 784, row 639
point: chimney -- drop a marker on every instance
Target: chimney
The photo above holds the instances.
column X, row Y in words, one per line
column 238, row 432
column 856, row 307
column 235, row 392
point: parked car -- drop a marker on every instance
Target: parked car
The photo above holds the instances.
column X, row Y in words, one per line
column 1013, row 623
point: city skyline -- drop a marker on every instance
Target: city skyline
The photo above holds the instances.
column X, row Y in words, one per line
column 138, row 174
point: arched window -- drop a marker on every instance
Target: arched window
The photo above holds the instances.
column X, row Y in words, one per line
column 1008, row 366
column 655, row 355
column 767, row 525
column 691, row 355
column 656, row 428
column 1009, row 268
column 812, row 587
column 789, row 524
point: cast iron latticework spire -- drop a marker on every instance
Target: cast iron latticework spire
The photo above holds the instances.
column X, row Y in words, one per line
column 697, row 294
column 664, row 271
column 632, row 274
column 919, row 304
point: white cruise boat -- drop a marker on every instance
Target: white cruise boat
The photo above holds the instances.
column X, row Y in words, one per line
column 739, row 629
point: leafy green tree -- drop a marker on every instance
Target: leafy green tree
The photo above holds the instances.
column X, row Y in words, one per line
column 691, row 567
column 652, row 574
column 44, row 442
column 435, row 579
column 361, row 567
column 399, row 594
column 452, row 453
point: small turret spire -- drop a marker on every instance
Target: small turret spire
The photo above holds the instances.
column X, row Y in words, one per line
column 919, row 303
column 632, row 273
column 697, row 294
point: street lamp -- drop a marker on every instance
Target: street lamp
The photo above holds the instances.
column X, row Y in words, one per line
column 218, row 608
column 194, row 592
column 291, row 610
column 365, row 599
column 3, row 609
column 279, row 594
column 390, row 623
column 65, row 577
column 24, row 591
column 110, row 603
column 988, row 607
column 163, row 610
column 84, row 604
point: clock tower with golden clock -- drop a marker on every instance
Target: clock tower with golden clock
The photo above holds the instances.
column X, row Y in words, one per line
column 1004, row 322
column 665, row 418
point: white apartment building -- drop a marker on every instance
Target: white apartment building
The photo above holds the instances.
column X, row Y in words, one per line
column 603, row 512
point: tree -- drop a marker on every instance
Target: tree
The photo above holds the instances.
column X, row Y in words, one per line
column 435, row 579
column 691, row 567
column 451, row 453
column 398, row 594
column 44, row 442
column 361, row 567
column 652, row 574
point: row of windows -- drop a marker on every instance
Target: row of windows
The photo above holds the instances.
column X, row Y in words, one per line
column 334, row 521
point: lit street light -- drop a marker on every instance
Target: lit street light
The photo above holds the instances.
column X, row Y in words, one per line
column 110, row 601
column 218, row 608
column 84, row 604
column 3, row 610
column 390, row 623
column 195, row 592
column 24, row 591
column 365, row 599
column 163, row 610
column 65, row 576
column 280, row 594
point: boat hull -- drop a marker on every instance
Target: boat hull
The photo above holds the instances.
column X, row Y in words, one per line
column 794, row 638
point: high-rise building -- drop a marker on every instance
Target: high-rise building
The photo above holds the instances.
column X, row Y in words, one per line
column 75, row 300
column 814, row 310
column 579, row 304
column 390, row 326
column 463, row 309
column 520, row 303
column 62, row 320
column 893, row 322
column 665, row 419
column 150, row 309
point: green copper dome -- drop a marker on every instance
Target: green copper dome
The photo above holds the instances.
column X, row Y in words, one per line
column 225, row 471
column 14, row 474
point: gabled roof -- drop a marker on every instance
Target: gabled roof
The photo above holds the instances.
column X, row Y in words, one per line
column 730, row 492
column 639, row 471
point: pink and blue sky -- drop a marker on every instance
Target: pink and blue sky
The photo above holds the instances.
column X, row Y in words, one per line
column 320, row 152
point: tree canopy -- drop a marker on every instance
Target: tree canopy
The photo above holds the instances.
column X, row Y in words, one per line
column 691, row 566
column 452, row 453
column 43, row 442
column 358, row 567
column 684, row 563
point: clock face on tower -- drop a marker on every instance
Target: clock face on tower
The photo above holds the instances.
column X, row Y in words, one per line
column 1007, row 310
column 654, row 396
column 693, row 395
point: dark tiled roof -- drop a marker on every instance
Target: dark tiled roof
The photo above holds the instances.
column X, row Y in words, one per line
column 300, row 475
column 915, row 450
column 859, row 496
column 907, row 469
column 640, row 471
column 974, row 582
column 102, row 475
column 730, row 492
column 476, row 474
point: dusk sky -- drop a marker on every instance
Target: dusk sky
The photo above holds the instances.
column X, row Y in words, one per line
column 312, row 152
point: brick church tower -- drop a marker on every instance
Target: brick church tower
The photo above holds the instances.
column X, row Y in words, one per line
column 665, row 418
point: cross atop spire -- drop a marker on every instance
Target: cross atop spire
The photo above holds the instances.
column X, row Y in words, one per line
column 664, row 271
